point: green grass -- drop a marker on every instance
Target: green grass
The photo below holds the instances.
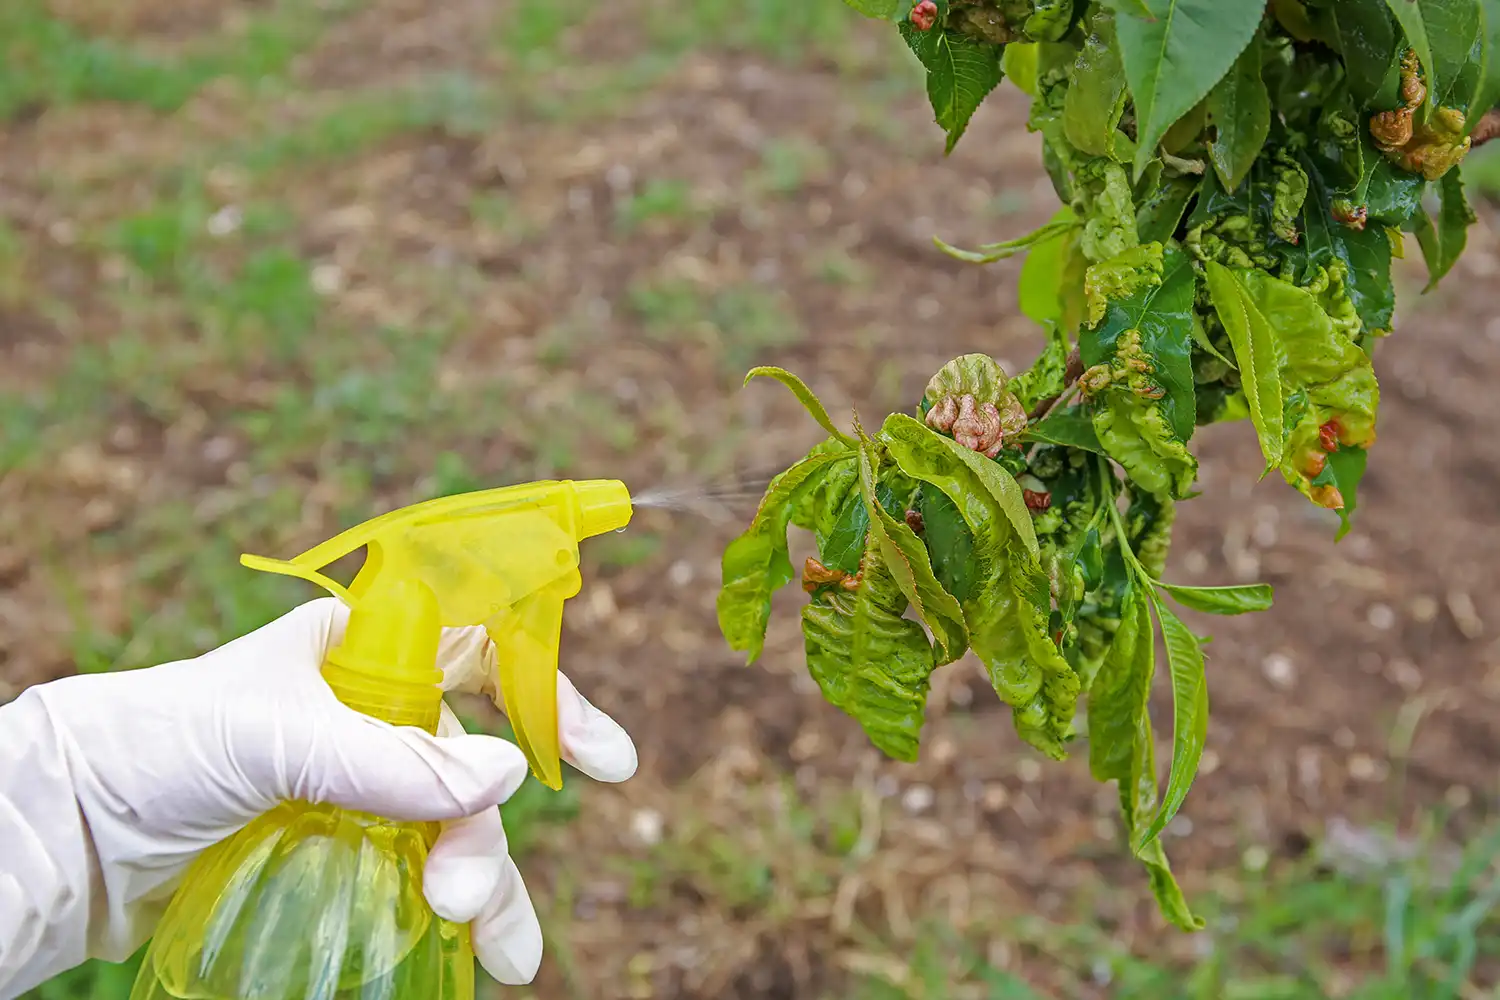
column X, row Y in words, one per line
column 46, row 62
column 1298, row 933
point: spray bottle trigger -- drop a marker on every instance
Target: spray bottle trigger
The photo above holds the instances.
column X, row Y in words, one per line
column 526, row 637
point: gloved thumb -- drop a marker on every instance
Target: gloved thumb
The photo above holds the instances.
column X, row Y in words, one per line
column 402, row 773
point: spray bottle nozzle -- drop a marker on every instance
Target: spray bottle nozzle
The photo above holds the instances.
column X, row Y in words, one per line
column 506, row 559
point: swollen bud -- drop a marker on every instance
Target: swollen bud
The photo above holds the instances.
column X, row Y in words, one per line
column 924, row 15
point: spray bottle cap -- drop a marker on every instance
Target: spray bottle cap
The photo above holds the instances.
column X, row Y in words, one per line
column 506, row 559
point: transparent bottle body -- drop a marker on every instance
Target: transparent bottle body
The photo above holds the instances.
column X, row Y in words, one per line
column 309, row 903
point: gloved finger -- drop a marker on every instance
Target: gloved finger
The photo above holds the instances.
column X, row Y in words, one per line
column 403, row 773
column 591, row 741
column 507, row 935
column 465, row 865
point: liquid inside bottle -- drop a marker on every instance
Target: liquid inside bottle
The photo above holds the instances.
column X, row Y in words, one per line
column 309, row 903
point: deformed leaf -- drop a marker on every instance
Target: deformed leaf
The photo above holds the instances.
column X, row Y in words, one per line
column 1443, row 242
column 906, row 436
column 1443, row 33
column 961, row 72
column 1189, row 716
column 805, row 396
column 1364, row 253
column 1240, row 108
column 1096, row 90
column 1235, row 600
column 756, row 564
column 911, row 567
column 1327, row 384
column 868, row 660
column 1008, row 601
column 1162, row 312
column 1047, row 376
column 1176, row 55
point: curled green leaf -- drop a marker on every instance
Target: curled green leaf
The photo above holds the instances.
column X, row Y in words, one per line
column 805, row 396
column 756, row 564
column 906, row 436
column 1007, row 605
column 911, row 567
column 868, row 660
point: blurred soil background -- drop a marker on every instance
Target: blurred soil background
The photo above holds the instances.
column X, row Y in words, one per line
column 270, row 267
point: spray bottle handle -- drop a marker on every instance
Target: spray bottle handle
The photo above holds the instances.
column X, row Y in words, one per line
column 527, row 636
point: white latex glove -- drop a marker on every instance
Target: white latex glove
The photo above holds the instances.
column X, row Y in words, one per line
column 111, row 784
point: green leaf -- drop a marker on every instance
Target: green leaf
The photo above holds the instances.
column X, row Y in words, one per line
column 756, row 564
column 1120, row 690
column 1240, row 108
column 1443, row 243
column 842, row 523
column 1236, row 600
column 1019, row 65
column 1443, row 33
column 1163, row 313
column 1071, row 428
column 1137, row 803
column 868, row 660
column 804, row 396
column 1096, row 91
column 1489, row 82
column 911, row 567
column 949, row 542
column 1346, row 467
column 1174, row 57
column 1008, row 603
column 1363, row 33
column 992, row 252
column 1051, row 279
column 885, row 10
column 1189, row 716
column 961, row 72
column 1257, row 353
column 1122, row 747
column 906, row 436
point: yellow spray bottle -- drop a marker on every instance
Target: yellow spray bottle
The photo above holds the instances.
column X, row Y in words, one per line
column 312, row 902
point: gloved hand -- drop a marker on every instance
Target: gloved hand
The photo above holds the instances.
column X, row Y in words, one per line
column 111, row 784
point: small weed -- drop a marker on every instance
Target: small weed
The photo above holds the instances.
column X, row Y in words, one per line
column 787, row 164
column 666, row 200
